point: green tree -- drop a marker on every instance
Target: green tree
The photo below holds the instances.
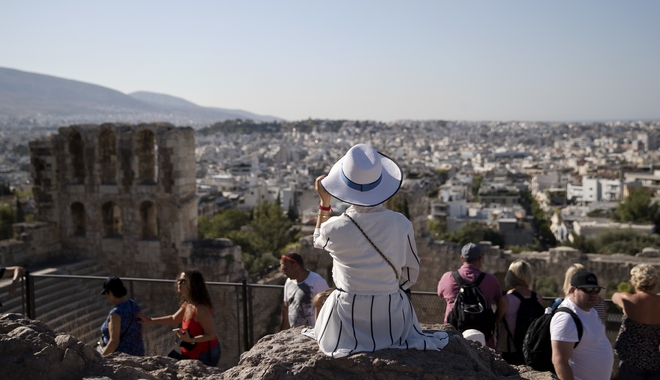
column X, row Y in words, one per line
column 474, row 233
column 437, row 228
column 6, row 221
column 20, row 214
column 476, row 184
column 272, row 228
column 611, row 242
column 291, row 213
column 637, row 208
column 221, row 224
column 399, row 203
column 546, row 286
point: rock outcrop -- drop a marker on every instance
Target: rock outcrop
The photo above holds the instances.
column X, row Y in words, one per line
column 291, row 355
column 31, row 350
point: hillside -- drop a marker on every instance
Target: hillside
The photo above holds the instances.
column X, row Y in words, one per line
column 29, row 99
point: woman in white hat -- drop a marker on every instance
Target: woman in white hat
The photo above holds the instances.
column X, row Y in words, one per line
column 374, row 260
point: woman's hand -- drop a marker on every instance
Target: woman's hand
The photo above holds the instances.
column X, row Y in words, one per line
column 184, row 335
column 323, row 195
column 143, row 319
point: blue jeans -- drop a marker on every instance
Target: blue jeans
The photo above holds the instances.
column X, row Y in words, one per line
column 211, row 357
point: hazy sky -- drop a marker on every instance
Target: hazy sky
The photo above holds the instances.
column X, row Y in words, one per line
column 377, row 60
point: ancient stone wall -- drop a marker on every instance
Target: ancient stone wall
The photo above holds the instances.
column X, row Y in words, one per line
column 440, row 257
column 122, row 194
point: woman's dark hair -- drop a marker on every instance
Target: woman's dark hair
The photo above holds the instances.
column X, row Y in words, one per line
column 197, row 291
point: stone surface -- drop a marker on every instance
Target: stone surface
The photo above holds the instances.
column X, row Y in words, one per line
column 291, row 355
column 31, row 350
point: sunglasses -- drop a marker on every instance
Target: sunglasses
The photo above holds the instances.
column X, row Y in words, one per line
column 590, row 291
column 181, row 281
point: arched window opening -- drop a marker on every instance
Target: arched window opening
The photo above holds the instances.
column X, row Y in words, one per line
column 148, row 220
column 108, row 157
column 78, row 219
column 76, row 154
column 146, row 154
column 112, row 223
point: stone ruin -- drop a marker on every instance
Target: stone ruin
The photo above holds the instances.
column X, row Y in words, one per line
column 123, row 195
column 30, row 350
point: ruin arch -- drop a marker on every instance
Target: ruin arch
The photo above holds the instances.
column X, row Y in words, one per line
column 112, row 222
column 108, row 157
column 148, row 220
column 146, row 151
column 77, row 156
column 78, row 219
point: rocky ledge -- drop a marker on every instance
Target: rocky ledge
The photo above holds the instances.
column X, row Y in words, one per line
column 31, row 350
column 291, row 355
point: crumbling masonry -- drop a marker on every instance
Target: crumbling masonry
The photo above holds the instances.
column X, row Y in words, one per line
column 120, row 194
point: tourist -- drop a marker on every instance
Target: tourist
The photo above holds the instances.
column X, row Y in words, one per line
column 511, row 332
column 121, row 331
column 197, row 332
column 374, row 260
column 639, row 336
column 448, row 288
column 600, row 307
column 590, row 357
column 16, row 273
column 301, row 286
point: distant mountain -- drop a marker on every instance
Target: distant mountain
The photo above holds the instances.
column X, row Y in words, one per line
column 163, row 100
column 45, row 101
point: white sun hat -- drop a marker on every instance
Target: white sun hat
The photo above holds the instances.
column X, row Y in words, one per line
column 363, row 177
column 475, row 335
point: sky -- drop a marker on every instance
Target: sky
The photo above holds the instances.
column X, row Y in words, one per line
column 360, row 60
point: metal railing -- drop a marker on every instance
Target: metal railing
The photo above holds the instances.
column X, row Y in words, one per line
column 243, row 313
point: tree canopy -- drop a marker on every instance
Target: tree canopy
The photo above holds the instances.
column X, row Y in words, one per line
column 637, row 208
column 263, row 234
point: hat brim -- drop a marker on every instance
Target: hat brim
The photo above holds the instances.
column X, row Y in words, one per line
column 589, row 286
column 103, row 292
column 392, row 177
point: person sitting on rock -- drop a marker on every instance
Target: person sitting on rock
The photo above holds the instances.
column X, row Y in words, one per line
column 374, row 260
column 121, row 331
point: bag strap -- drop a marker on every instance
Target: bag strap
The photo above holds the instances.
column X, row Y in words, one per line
column 457, row 277
column 479, row 279
column 509, row 336
column 576, row 320
column 396, row 274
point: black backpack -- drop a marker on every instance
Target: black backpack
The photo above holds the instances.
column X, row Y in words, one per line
column 530, row 309
column 470, row 310
column 537, row 346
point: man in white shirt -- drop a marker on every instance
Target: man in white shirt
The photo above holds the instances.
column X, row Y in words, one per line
column 299, row 290
column 593, row 357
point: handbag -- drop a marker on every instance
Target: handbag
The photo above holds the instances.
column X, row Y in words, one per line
column 100, row 346
column 175, row 355
column 187, row 345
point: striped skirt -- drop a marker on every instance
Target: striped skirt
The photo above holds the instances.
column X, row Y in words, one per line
column 351, row 323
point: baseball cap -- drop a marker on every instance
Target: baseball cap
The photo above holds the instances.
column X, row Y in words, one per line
column 114, row 285
column 584, row 279
column 471, row 252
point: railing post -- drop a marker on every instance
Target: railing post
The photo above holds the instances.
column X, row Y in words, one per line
column 251, row 317
column 29, row 290
column 246, row 339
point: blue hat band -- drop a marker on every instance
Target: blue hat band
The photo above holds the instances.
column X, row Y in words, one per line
column 357, row 186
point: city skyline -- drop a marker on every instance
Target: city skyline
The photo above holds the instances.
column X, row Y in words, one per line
column 372, row 60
